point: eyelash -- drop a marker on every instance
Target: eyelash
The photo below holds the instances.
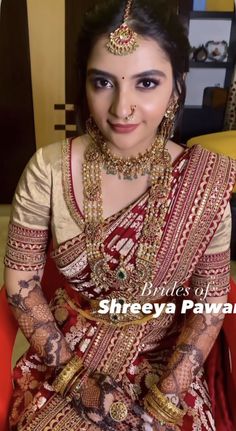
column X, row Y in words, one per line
column 96, row 82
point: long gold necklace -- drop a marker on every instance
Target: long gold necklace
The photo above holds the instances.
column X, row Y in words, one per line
column 129, row 282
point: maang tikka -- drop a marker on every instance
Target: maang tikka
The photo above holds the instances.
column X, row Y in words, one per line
column 123, row 40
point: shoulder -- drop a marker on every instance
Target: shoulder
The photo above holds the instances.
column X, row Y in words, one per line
column 214, row 157
column 175, row 150
column 217, row 168
column 51, row 154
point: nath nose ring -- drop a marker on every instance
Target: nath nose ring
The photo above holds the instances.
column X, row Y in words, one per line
column 131, row 115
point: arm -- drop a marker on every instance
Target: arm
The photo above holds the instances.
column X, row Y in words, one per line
column 199, row 331
column 35, row 319
column 193, row 346
column 24, row 261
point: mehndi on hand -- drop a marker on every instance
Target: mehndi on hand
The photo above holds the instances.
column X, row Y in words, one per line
column 103, row 402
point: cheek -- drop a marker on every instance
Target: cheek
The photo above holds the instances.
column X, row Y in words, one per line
column 155, row 105
column 155, row 108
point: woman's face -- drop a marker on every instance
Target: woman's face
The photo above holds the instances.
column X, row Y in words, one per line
column 116, row 83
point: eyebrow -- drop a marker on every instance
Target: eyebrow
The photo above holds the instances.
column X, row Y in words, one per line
column 145, row 74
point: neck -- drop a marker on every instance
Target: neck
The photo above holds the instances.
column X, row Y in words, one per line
column 134, row 151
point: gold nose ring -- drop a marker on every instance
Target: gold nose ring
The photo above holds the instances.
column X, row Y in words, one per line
column 131, row 115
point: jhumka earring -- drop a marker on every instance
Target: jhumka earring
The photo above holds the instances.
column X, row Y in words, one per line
column 123, row 40
column 167, row 125
column 131, row 115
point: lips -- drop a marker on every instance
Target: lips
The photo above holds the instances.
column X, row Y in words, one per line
column 123, row 128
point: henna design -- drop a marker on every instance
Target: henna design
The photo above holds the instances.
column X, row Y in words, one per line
column 36, row 321
column 94, row 401
column 193, row 346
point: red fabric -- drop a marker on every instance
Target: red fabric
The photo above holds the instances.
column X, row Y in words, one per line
column 221, row 372
column 218, row 374
column 230, row 334
column 8, row 330
column 230, row 330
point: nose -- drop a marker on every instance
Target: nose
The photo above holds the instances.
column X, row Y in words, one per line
column 121, row 104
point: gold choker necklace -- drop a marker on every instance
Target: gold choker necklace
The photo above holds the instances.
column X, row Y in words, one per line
column 127, row 168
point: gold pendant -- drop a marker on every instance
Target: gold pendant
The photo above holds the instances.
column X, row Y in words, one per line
column 123, row 41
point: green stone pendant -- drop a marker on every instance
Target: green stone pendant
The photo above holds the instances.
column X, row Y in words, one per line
column 121, row 274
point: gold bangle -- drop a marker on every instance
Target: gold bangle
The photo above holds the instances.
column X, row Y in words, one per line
column 65, row 376
column 162, row 419
column 152, row 413
column 160, row 413
column 73, row 381
column 165, row 404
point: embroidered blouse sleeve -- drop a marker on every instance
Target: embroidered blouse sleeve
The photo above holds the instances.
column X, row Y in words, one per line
column 30, row 217
column 200, row 330
column 212, row 273
column 25, row 259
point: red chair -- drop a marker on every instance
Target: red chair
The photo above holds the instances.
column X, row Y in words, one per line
column 215, row 371
column 8, row 331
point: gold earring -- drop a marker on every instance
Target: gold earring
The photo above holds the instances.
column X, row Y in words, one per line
column 93, row 131
column 167, row 126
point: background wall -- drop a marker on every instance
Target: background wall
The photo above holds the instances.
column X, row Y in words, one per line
column 16, row 106
column 32, row 81
column 46, row 20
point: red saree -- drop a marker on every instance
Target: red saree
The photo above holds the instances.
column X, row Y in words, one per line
column 194, row 248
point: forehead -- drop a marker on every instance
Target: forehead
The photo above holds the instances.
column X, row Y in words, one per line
column 149, row 55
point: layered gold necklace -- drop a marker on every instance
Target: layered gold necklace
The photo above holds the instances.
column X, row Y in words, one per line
column 123, row 280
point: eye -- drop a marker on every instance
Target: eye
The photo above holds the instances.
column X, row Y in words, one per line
column 102, row 83
column 148, row 83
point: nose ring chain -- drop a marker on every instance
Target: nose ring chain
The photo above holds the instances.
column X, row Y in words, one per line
column 131, row 115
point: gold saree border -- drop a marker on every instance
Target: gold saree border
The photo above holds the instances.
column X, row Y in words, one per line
column 56, row 415
column 199, row 207
column 68, row 185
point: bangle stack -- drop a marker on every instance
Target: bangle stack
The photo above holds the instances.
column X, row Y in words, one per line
column 68, row 376
column 163, row 410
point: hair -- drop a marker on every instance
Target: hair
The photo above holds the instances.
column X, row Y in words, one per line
column 153, row 19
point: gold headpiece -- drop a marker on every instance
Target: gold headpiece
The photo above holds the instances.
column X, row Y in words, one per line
column 123, row 40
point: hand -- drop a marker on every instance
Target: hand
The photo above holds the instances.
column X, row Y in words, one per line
column 95, row 399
